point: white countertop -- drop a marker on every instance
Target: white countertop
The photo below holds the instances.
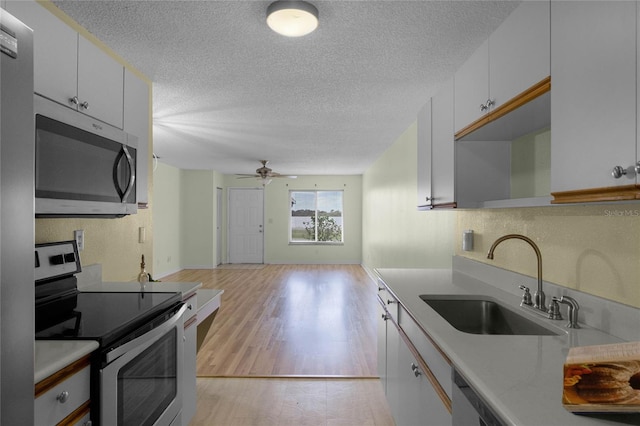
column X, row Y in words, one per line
column 53, row 355
column 208, row 302
column 521, row 377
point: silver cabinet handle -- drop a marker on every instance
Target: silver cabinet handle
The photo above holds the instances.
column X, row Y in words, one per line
column 618, row 172
column 84, row 105
column 630, row 172
column 390, row 301
column 385, row 316
column 485, row 106
column 74, row 101
column 416, row 370
column 63, row 397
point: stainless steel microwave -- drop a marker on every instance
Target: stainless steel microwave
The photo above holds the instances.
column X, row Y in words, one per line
column 84, row 167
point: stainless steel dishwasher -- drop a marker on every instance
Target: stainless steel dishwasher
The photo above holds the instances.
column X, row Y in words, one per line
column 468, row 407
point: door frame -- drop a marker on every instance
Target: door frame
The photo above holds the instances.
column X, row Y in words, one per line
column 219, row 197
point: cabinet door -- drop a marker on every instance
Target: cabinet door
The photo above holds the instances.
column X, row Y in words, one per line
column 442, row 168
column 100, row 84
column 424, row 155
column 593, row 101
column 418, row 400
column 519, row 51
column 394, row 384
column 382, row 344
column 472, row 87
column 55, row 52
column 136, row 121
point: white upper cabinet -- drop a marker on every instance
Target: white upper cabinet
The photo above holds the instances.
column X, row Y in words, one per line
column 519, row 51
column 55, row 51
column 100, row 84
column 424, row 156
column 137, row 122
column 472, row 88
column 436, row 151
column 443, row 164
column 594, row 99
column 505, row 69
column 69, row 69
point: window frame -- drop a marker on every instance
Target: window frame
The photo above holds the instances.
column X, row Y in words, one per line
column 315, row 242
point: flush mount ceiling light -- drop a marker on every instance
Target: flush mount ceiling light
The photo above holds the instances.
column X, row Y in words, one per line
column 292, row 18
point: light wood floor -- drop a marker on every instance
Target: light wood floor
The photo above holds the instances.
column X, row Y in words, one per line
column 289, row 320
column 317, row 402
column 280, row 329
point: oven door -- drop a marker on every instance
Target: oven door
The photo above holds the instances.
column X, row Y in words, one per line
column 141, row 384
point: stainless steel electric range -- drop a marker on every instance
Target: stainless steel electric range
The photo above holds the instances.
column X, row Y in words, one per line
column 136, row 374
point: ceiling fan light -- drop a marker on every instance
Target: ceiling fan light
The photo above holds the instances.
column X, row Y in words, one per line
column 264, row 181
column 293, row 18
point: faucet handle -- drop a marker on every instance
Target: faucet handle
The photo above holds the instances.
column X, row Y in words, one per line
column 526, row 297
column 574, row 307
column 554, row 309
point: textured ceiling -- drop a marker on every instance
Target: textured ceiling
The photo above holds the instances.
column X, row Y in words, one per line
column 228, row 91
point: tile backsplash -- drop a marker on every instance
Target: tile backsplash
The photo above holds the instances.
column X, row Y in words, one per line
column 594, row 249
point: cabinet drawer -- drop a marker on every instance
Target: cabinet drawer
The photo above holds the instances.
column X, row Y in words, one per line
column 192, row 308
column 439, row 365
column 51, row 406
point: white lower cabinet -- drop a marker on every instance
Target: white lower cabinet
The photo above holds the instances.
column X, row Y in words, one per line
column 65, row 396
column 417, row 403
column 417, row 378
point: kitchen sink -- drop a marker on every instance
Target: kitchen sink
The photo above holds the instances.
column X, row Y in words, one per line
column 483, row 315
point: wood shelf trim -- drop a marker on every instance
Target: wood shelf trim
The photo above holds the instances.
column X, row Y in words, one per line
column 77, row 415
column 424, row 367
column 61, row 375
column 517, row 101
column 593, row 195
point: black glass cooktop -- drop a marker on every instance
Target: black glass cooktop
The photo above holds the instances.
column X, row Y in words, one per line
column 105, row 317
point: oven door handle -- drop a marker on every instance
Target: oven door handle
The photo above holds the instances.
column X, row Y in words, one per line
column 147, row 338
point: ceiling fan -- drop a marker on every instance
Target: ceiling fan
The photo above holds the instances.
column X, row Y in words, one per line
column 264, row 174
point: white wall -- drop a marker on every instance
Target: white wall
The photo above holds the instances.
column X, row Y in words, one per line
column 185, row 214
column 276, row 226
column 167, row 219
column 394, row 233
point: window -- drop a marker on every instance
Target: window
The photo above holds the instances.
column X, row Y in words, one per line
column 316, row 217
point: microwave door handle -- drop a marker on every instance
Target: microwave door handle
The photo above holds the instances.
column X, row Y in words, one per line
column 132, row 173
column 124, row 152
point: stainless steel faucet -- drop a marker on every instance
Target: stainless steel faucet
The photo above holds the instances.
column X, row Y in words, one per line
column 538, row 297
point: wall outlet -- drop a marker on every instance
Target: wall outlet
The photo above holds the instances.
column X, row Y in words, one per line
column 79, row 236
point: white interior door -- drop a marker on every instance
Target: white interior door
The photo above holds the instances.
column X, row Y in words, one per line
column 246, row 216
